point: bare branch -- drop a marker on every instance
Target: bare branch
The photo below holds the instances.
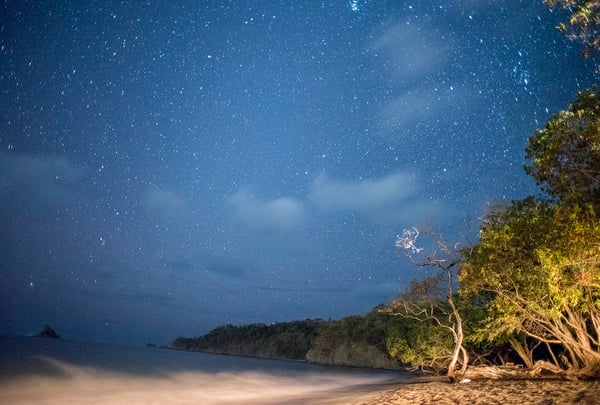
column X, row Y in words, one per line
column 445, row 259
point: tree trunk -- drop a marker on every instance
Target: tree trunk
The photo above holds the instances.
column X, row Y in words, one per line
column 523, row 351
column 458, row 338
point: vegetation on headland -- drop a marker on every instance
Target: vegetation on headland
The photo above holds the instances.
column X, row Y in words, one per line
column 375, row 340
column 286, row 340
column 526, row 293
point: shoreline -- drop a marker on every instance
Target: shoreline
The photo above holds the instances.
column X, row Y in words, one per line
column 404, row 370
column 36, row 370
column 56, row 372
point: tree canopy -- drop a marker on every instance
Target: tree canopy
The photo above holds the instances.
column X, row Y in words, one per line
column 565, row 155
column 537, row 269
column 583, row 24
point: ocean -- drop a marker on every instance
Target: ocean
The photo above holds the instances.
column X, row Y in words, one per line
column 51, row 371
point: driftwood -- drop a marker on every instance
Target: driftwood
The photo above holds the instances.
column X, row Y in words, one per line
column 541, row 369
column 493, row 372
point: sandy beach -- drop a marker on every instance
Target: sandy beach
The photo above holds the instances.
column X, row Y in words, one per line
column 546, row 392
column 34, row 371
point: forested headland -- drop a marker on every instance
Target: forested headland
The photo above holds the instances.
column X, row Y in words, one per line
column 359, row 341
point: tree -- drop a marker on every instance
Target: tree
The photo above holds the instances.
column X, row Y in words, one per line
column 537, row 267
column 418, row 341
column 565, row 155
column 584, row 23
column 425, row 306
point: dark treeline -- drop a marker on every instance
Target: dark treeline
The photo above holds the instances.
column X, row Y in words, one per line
column 377, row 339
column 286, row 340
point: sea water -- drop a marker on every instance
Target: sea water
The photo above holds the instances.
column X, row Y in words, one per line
column 50, row 371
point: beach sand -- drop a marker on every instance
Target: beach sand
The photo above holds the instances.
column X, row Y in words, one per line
column 542, row 392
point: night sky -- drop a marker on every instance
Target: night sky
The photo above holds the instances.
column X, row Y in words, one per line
column 170, row 166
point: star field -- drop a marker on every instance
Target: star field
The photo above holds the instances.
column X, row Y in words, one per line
column 167, row 167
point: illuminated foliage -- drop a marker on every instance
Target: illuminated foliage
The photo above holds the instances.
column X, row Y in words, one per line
column 537, row 269
column 583, row 24
column 565, row 155
column 432, row 300
column 420, row 344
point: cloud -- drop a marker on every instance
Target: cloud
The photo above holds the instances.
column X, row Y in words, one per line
column 366, row 195
column 414, row 50
column 206, row 262
column 385, row 201
column 166, row 205
column 37, row 182
column 417, row 53
column 227, row 267
column 422, row 106
column 182, row 264
column 278, row 215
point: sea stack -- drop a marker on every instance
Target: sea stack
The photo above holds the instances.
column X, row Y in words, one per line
column 48, row 332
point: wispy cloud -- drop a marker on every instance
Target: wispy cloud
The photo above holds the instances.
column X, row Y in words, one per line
column 166, row 205
column 227, row 267
column 421, row 106
column 182, row 264
column 203, row 263
column 388, row 200
column 414, row 50
column 37, row 182
column 417, row 53
column 277, row 215
column 366, row 195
